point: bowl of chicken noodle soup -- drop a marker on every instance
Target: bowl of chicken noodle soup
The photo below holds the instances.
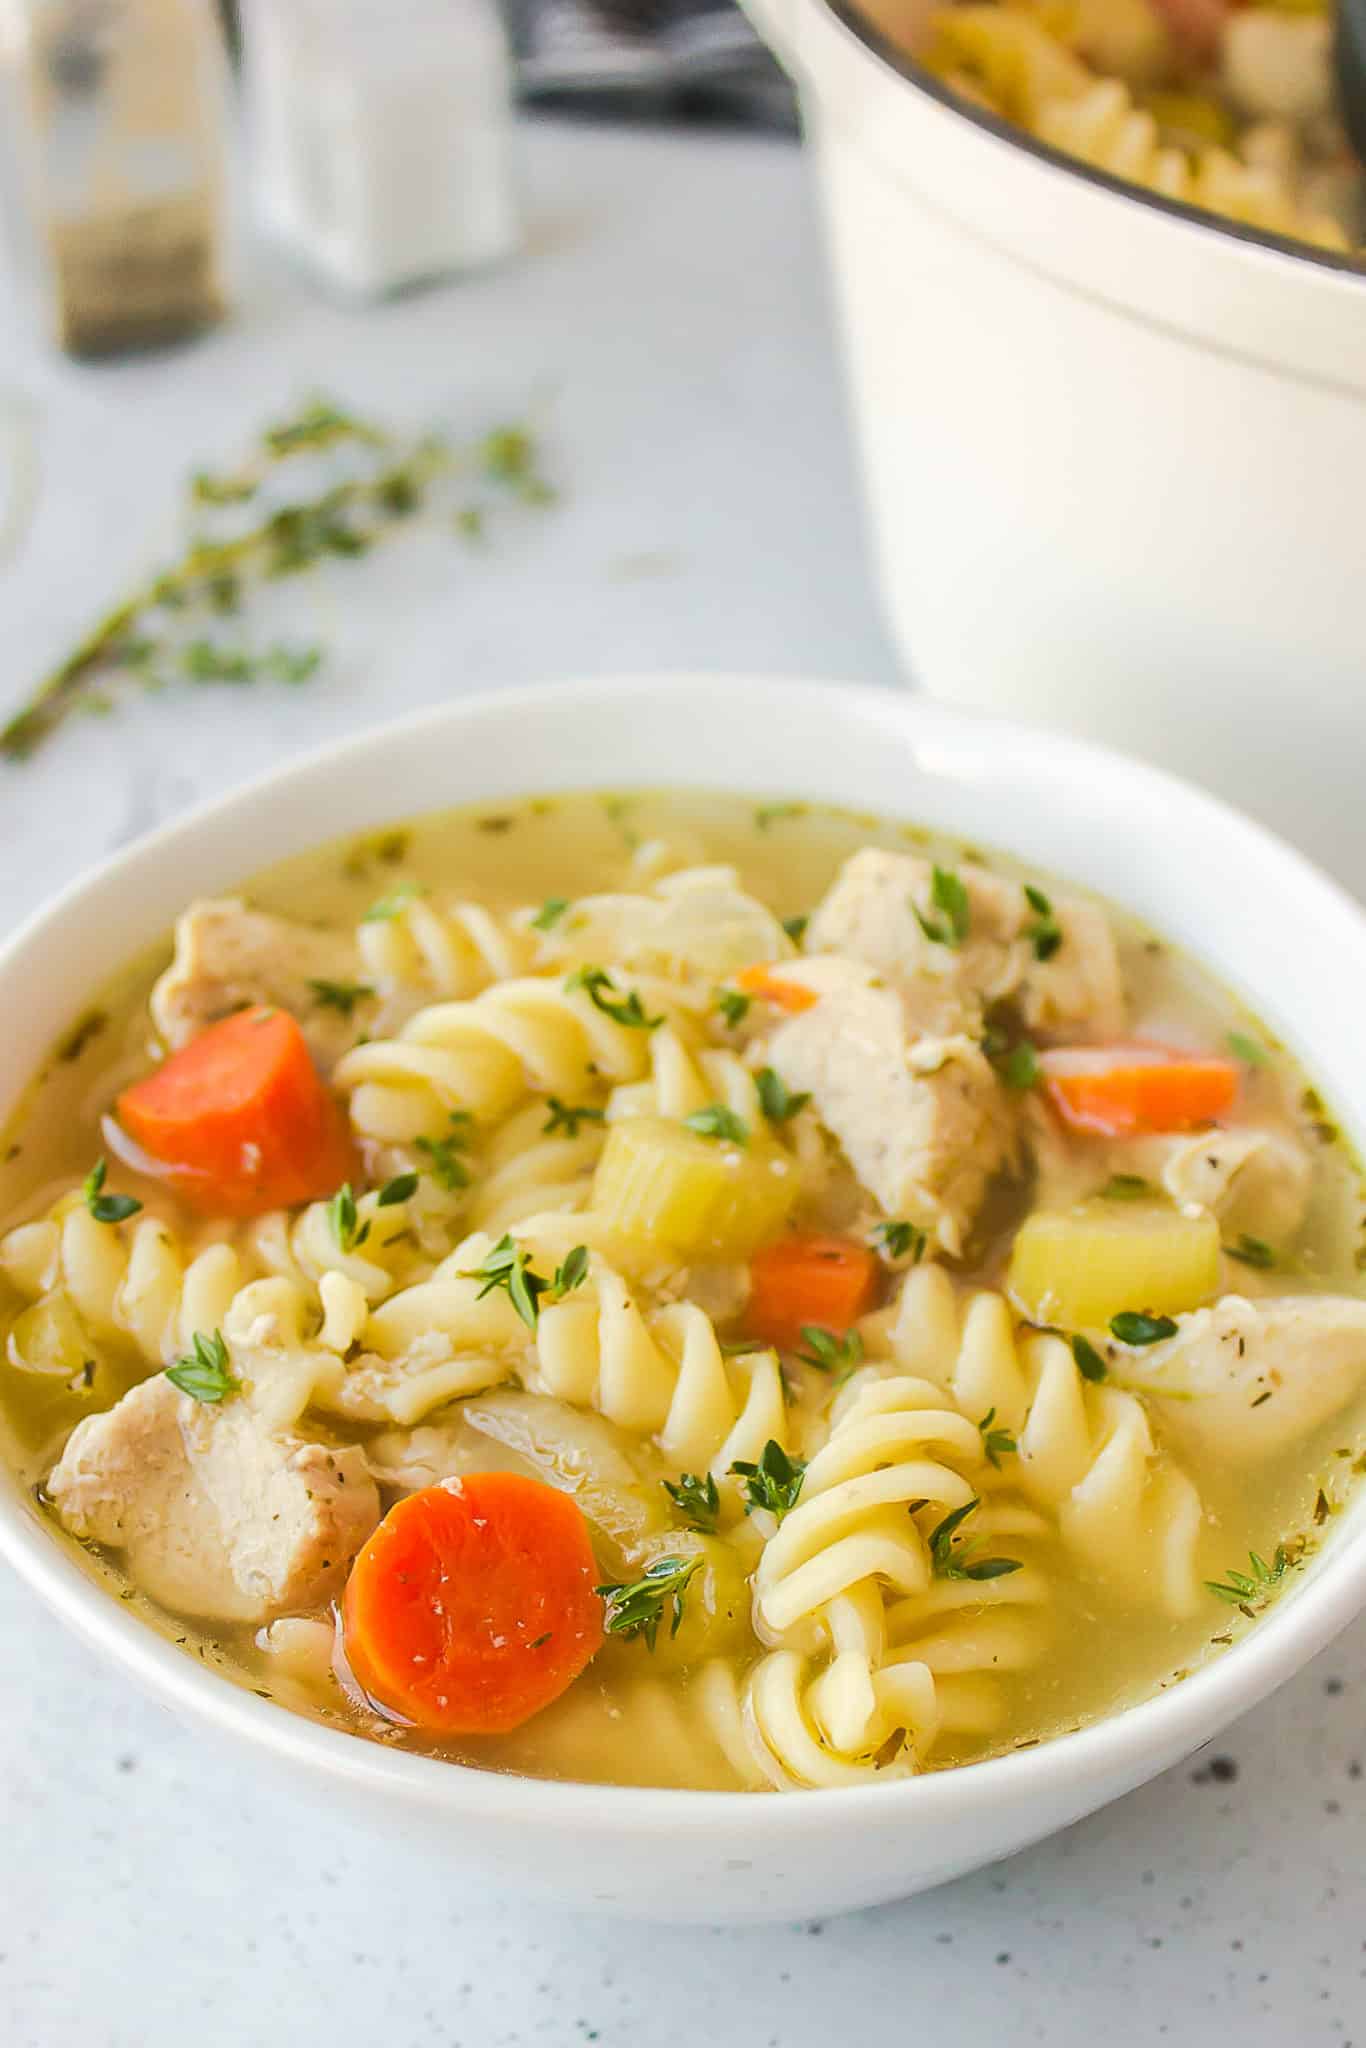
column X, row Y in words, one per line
column 712, row 1329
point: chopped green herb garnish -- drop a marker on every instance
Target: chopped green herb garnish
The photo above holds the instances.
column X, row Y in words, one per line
column 1090, row 1364
column 448, row 1169
column 339, row 995
column 734, row 1005
column 1248, row 1050
column 394, row 904
column 508, row 1266
column 1020, row 1067
column 1251, row 1590
column 951, row 1561
column 106, row 1208
column 950, row 898
column 1251, row 1251
column 1126, row 1187
column 717, row 1121
column 347, row 1227
column 567, row 1117
column 697, row 1499
column 1131, row 1328
column 900, row 1240
column 774, row 1483
column 206, row 1374
column 997, row 1442
column 829, row 1352
column 401, row 1188
column 550, row 913
column 776, row 1100
column 770, row 814
column 1045, row 934
column 795, row 927
column 598, row 985
column 636, row 1608
column 571, row 1272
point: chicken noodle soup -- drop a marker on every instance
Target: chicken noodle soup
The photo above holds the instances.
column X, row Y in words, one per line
column 676, row 1289
column 1229, row 106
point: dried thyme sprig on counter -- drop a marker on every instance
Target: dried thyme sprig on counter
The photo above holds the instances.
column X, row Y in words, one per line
column 370, row 482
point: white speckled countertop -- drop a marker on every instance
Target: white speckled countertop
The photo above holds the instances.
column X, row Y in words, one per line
column 150, row 1892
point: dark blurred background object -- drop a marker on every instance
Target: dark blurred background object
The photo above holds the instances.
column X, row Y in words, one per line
column 639, row 59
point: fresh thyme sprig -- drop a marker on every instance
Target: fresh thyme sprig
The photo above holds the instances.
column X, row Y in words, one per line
column 829, row 1352
column 636, row 1607
column 385, row 480
column 950, row 1559
column 697, row 1498
column 774, row 1482
column 206, row 1373
column 508, row 1265
column 106, row 1208
column 602, row 992
column 1252, row 1589
column 997, row 1442
column 444, row 1163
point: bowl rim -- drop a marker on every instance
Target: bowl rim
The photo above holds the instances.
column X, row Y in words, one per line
column 1281, row 248
column 1131, row 1743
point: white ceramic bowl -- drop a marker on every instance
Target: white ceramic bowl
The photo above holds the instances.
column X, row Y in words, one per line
column 1113, row 448
column 1268, row 924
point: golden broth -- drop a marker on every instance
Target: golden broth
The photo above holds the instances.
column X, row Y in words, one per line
column 632, row 1717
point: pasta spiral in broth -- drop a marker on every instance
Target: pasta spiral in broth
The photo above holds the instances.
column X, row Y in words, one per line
column 556, row 1316
column 1086, row 1453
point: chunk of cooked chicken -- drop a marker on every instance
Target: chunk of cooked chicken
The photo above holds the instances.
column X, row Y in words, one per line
column 217, row 1515
column 1242, row 1380
column 924, row 1122
column 1253, row 1180
column 228, row 956
column 870, row 914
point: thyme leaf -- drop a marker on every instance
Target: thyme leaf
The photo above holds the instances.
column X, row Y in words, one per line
column 106, row 1208
column 636, row 1607
column 206, row 1373
column 774, row 1482
column 697, row 1499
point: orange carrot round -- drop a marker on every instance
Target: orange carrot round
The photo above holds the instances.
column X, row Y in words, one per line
column 766, row 981
column 1117, row 1091
column 241, row 1119
column 828, row 1282
column 472, row 1606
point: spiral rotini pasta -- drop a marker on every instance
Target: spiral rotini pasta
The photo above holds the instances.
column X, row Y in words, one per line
column 856, row 1684
column 664, row 1375
column 1103, row 127
column 131, row 1285
column 1085, row 1452
column 424, row 949
column 695, row 927
column 1233, row 117
column 485, row 1055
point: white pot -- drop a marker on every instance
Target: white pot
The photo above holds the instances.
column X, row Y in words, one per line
column 1061, row 804
column 1115, row 451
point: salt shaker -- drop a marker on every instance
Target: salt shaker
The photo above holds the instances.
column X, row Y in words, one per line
column 381, row 135
column 114, row 121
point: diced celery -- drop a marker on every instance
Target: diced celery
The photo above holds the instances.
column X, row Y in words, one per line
column 700, row 1197
column 1078, row 1267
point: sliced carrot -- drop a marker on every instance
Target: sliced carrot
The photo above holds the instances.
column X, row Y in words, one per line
column 766, row 981
column 241, row 1119
column 472, row 1606
column 827, row 1282
column 1117, row 1091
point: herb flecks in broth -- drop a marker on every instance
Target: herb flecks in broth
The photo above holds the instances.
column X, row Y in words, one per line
column 610, row 1214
